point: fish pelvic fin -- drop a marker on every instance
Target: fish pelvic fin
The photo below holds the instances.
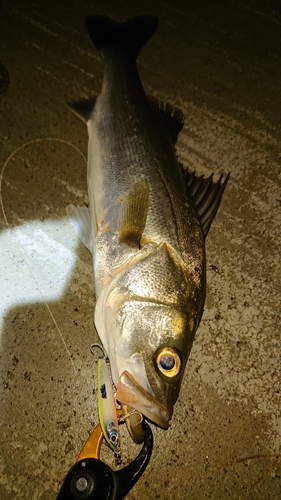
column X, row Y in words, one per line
column 82, row 109
column 130, row 35
column 206, row 196
column 170, row 116
column 134, row 214
column 81, row 221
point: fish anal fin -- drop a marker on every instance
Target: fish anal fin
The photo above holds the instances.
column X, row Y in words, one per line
column 134, row 214
column 170, row 116
column 206, row 196
column 82, row 109
column 81, row 221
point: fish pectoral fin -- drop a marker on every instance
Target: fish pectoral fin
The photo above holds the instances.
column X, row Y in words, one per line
column 134, row 214
column 206, row 196
column 81, row 221
column 170, row 116
column 82, row 109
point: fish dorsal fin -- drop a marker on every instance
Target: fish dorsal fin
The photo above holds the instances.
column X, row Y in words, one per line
column 82, row 109
column 134, row 214
column 206, row 196
column 170, row 116
column 81, row 221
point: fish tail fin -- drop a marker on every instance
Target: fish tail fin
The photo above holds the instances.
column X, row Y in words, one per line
column 130, row 35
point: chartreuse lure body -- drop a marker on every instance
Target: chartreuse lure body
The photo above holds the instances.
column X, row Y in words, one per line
column 107, row 407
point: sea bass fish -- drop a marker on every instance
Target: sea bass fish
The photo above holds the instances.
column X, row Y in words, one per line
column 146, row 226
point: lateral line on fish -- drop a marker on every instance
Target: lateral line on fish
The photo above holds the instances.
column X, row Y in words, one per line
column 171, row 203
column 34, row 141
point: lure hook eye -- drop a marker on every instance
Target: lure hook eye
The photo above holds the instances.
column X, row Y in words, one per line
column 168, row 362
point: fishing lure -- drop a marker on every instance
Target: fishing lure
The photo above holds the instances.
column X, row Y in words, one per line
column 108, row 417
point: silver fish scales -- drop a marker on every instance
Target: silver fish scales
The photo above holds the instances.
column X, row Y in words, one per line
column 146, row 226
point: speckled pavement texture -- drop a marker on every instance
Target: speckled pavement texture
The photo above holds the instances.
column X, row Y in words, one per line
column 220, row 62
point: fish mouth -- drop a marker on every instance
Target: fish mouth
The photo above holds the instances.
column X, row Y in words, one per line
column 131, row 393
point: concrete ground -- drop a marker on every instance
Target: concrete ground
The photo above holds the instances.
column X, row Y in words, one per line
column 220, row 62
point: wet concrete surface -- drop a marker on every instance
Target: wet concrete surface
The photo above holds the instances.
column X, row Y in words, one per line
column 220, row 63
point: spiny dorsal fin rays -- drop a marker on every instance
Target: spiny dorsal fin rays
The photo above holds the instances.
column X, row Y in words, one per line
column 134, row 214
column 170, row 116
column 210, row 207
column 206, row 196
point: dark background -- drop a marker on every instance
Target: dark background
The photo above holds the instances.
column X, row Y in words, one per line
column 219, row 61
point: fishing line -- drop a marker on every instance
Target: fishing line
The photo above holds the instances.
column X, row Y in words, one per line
column 14, row 238
column 129, row 414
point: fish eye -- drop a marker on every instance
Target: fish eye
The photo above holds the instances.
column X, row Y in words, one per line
column 168, row 362
column 112, row 433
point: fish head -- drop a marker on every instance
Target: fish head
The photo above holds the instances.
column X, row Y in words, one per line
column 150, row 317
column 151, row 359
